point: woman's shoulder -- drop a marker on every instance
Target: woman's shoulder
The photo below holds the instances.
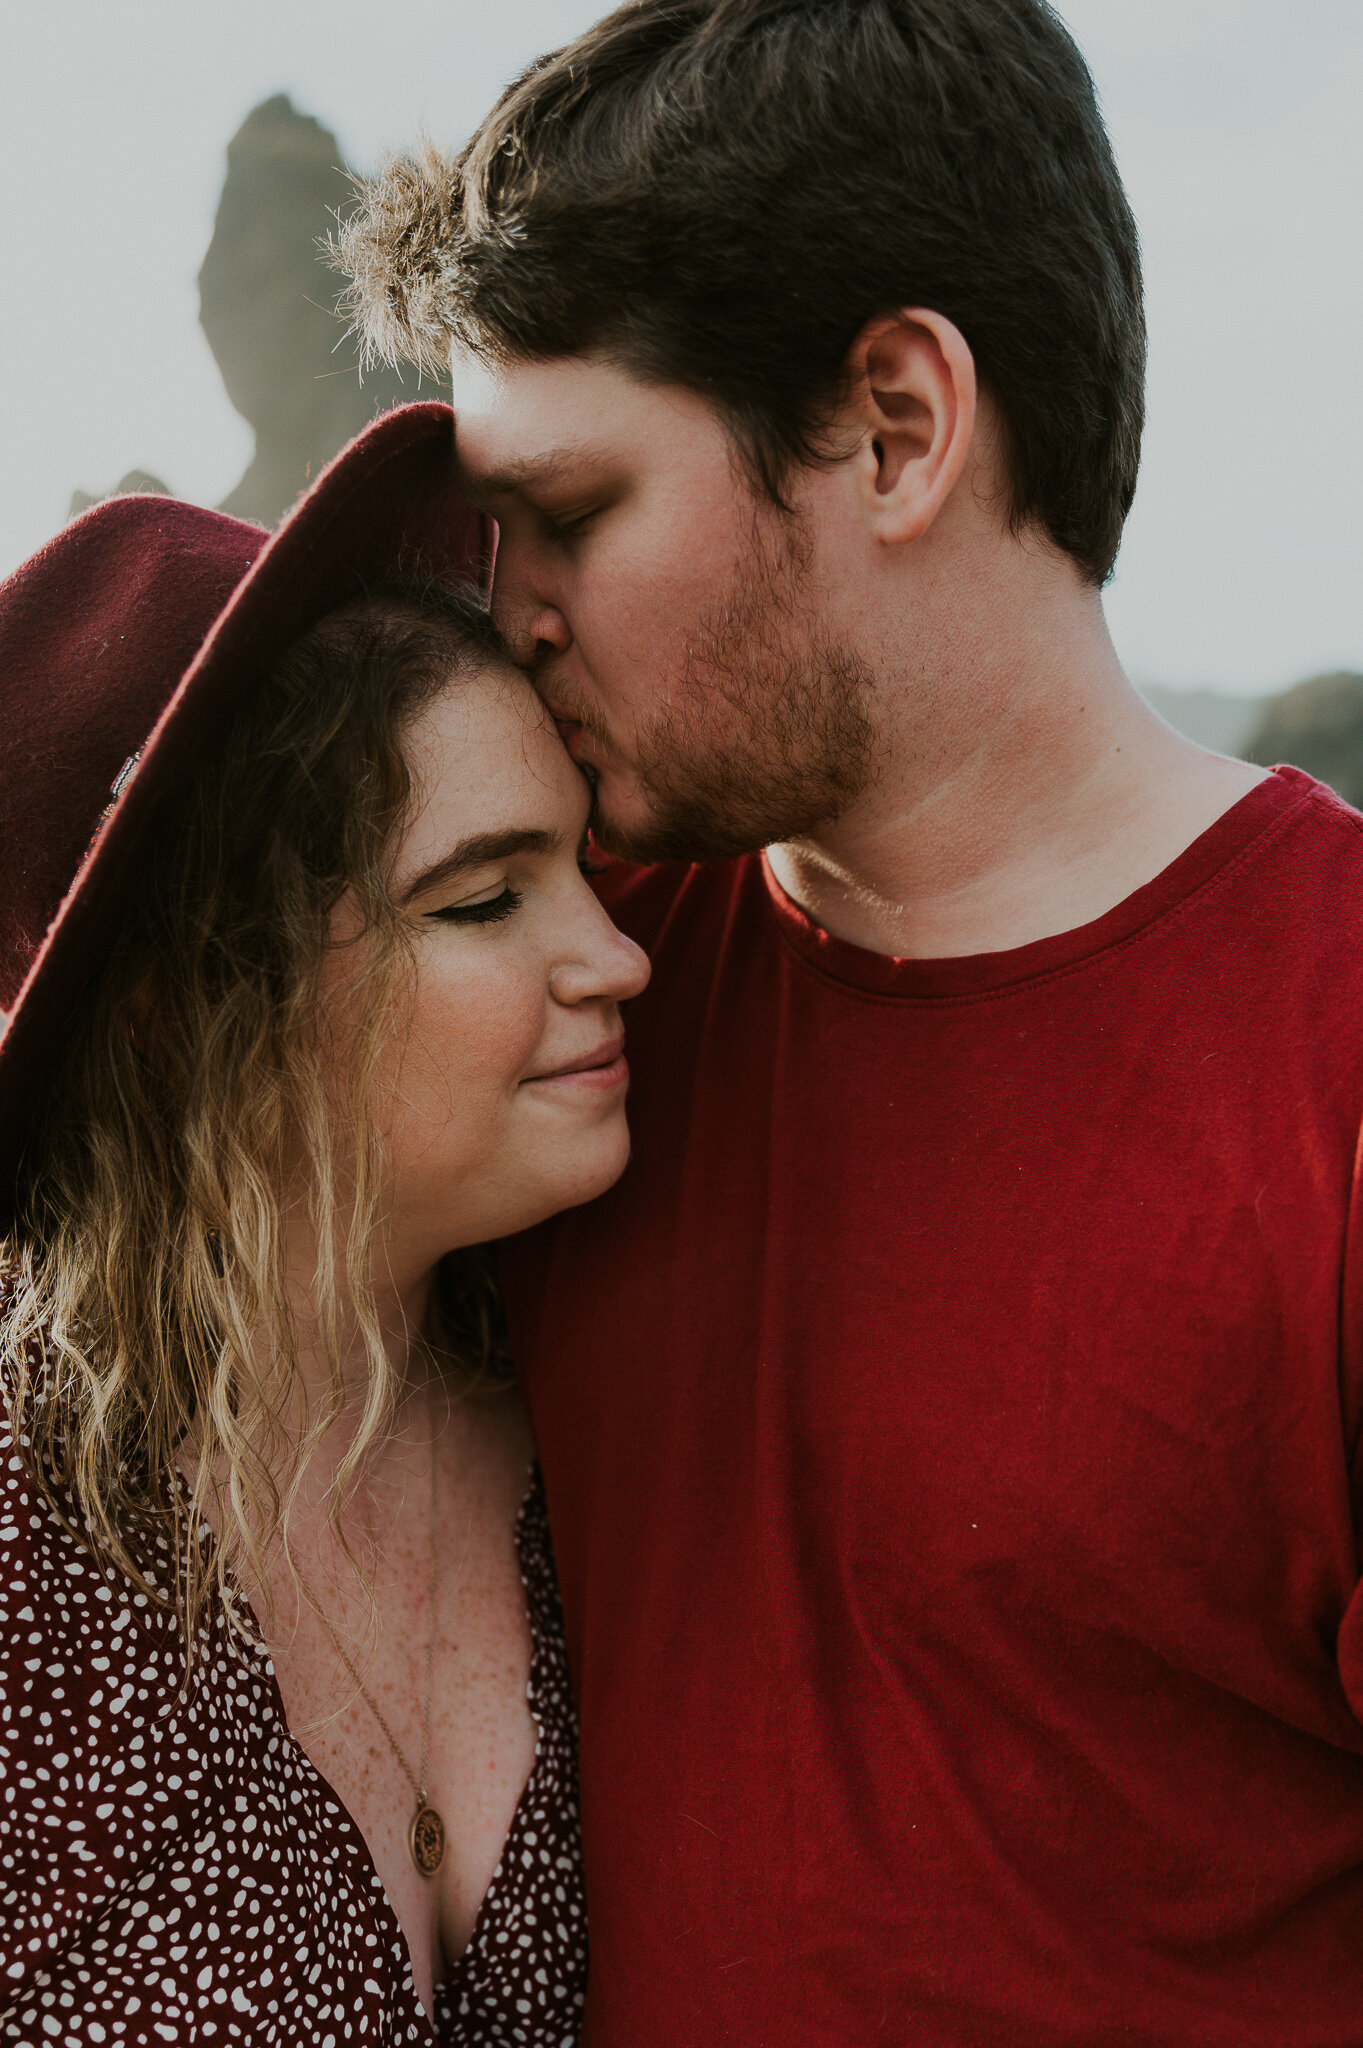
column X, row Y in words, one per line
column 86, row 1663
column 46, row 1553
column 162, row 1836
column 92, row 1667
column 41, row 1551
column 84, row 1652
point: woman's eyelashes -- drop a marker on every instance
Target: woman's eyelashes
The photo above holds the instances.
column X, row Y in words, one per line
column 487, row 910
column 508, row 900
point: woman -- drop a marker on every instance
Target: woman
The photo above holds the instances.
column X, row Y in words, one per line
column 306, row 998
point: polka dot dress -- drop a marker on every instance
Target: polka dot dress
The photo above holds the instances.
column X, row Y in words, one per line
column 174, row 1869
column 523, row 1977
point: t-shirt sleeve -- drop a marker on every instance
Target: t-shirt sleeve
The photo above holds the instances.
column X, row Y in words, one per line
column 1351, row 1411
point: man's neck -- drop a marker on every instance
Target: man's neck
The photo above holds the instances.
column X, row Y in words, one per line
column 1063, row 794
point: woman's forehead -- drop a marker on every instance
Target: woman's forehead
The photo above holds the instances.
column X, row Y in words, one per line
column 485, row 756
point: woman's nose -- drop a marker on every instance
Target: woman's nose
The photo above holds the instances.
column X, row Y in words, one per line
column 608, row 967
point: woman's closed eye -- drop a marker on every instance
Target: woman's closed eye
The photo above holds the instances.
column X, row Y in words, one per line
column 484, row 910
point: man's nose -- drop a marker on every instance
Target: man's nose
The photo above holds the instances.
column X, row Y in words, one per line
column 547, row 632
column 531, row 626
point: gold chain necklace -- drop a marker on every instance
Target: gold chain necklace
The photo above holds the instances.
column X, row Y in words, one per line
column 426, row 1833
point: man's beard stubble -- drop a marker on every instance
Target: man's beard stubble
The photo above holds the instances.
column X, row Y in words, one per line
column 796, row 749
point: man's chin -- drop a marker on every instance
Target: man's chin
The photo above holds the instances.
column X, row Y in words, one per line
column 698, row 818
column 623, row 821
column 650, row 838
column 623, row 834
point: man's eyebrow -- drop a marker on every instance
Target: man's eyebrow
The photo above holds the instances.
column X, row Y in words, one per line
column 478, row 851
column 529, row 471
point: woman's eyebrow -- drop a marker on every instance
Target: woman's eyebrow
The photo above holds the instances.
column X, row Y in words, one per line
column 478, row 851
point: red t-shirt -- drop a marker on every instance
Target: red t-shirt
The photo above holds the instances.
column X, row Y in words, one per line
column 949, row 1425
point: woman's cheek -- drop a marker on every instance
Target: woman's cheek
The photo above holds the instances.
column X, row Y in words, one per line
column 476, row 1027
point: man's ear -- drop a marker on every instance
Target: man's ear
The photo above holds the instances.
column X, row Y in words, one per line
column 914, row 398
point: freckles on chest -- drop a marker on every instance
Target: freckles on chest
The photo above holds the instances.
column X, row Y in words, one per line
column 328, row 1711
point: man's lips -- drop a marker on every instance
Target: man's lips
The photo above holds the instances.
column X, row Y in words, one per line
column 600, row 1070
column 576, row 732
column 571, row 731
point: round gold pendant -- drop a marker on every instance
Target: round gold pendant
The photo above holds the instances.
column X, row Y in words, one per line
column 426, row 1840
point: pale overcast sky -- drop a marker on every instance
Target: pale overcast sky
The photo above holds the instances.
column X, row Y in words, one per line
column 1237, row 124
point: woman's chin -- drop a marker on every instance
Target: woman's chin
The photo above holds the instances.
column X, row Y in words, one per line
column 592, row 1176
column 582, row 1176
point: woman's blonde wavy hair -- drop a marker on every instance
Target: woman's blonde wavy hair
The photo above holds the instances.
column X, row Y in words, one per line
column 145, row 1268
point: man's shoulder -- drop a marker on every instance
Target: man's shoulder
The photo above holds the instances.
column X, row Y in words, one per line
column 1319, row 810
column 1309, row 859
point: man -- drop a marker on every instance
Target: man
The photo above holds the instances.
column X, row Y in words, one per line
column 949, row 1423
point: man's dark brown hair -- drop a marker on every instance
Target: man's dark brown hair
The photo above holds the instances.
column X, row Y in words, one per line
column 721, row 193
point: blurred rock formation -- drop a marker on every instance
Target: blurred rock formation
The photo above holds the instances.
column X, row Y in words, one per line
column 265, row 301
column 1317, row 725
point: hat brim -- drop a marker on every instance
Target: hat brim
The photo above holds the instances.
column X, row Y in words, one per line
column 388, row 506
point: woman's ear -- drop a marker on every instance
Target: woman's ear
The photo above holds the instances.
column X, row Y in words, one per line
column 914, row 399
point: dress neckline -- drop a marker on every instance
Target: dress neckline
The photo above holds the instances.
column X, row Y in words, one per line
column 244, row 1628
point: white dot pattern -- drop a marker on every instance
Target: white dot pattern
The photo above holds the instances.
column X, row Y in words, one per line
column 522, row 1980
column 174, row 1868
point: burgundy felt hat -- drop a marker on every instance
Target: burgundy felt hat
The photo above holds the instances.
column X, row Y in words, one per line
column 126, row 645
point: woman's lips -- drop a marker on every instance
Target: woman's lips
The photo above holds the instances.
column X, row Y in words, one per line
column 597, row 1073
